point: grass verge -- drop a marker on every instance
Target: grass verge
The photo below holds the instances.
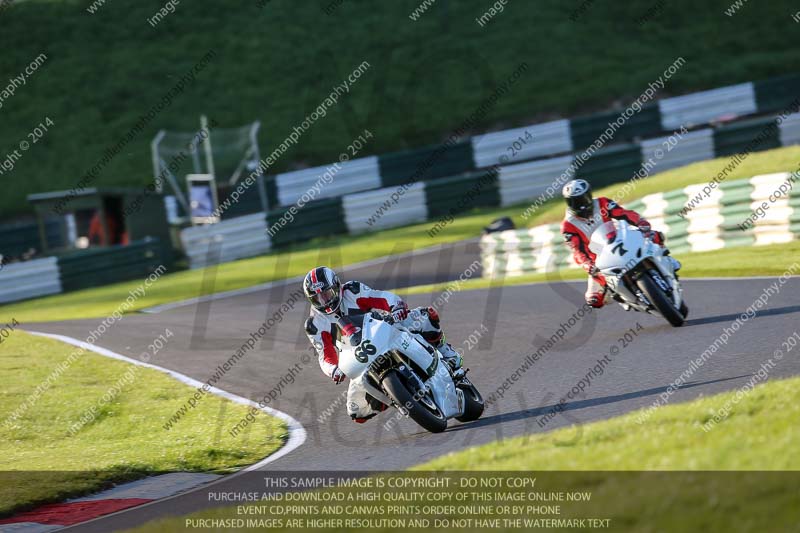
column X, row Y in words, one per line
column 41, row 461
column 759, row 434
column 666, row 474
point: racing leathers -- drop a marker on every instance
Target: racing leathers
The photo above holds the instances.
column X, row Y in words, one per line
column 324, row 334
column 577, row 232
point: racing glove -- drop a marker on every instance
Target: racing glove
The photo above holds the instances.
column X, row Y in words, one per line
column 644, row 227
column 400, row 311
column 337, row 375
column 593, row 271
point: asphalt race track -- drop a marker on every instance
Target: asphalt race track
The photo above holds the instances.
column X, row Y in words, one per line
column 518, row 320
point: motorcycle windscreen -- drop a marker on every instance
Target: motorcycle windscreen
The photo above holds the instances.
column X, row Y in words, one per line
column 602, row 236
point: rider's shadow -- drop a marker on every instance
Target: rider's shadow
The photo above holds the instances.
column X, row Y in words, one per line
column 524, row 414
column 732, row 317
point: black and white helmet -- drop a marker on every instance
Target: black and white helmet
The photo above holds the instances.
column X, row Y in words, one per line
column 578, row 195
column 323, row 289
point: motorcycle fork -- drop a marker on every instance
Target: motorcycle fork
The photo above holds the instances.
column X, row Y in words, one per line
column 630, row 282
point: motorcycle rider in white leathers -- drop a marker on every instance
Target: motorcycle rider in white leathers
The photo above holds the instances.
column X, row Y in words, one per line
column 331, row 299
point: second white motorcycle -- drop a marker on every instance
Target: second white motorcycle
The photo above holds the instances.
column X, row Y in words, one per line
column 638, row 274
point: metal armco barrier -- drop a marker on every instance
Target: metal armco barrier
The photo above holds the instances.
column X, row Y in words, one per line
column 558, row 137
column 81, row 269
column 226, row 241
column 20, row 281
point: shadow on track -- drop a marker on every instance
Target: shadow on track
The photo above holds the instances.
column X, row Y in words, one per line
column 730, row 318
column 580, row 404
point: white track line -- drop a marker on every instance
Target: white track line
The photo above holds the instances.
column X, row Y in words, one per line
column 297, row 433
column 296, row 279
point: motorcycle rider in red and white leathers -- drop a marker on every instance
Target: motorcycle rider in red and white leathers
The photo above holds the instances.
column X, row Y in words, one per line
column 331, row 299
column 584, row 215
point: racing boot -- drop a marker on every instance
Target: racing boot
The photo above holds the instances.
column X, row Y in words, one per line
column 625, row 305
column 376, row 405
column 435, row 336
column 452, row 358
column 676, row 265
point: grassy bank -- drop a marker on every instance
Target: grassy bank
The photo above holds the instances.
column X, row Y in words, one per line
column 43, row 458
column 267, row 67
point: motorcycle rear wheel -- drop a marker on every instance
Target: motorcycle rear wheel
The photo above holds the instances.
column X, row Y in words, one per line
column 395, row 387
column 660, row 300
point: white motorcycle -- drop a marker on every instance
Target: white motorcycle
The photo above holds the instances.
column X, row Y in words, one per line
column 401, row 369
column 638, row 274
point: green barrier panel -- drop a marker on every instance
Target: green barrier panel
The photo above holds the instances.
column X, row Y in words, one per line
column 18, row 238
column 646, row 123
column 319, row 218
column 248, row 203
column 611, row 165
column 425, row 164
column 777, row 94
column 462, row 193
column 271, row 185
column 94, row 267
column 750, row 135
column 676, row 200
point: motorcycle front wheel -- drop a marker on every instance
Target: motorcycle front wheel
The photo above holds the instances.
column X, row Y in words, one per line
column 473, row 408
column 420, row 406
column 660, row 300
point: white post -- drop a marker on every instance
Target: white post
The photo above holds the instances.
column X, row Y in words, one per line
column 207, row 144
column 156, row 160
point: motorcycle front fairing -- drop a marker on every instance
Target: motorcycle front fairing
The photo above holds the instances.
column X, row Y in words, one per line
column 620, row 248
column 386, row 337
column 439, row 379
